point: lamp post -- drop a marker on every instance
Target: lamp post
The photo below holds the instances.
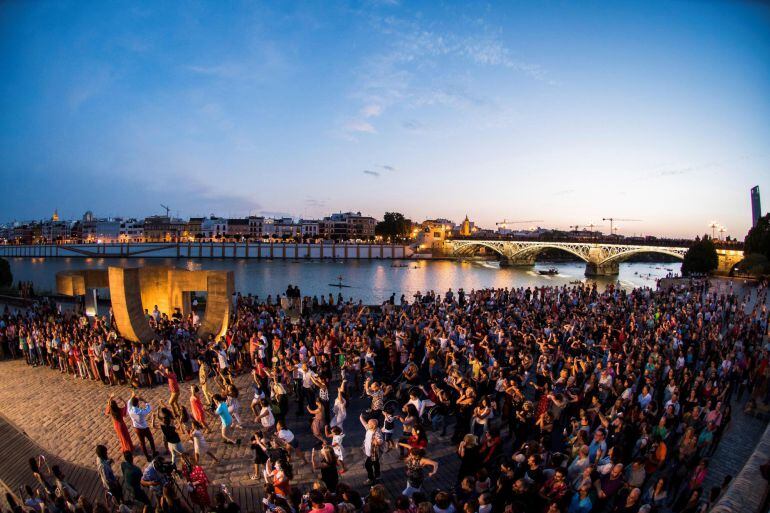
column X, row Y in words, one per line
column 713, row 227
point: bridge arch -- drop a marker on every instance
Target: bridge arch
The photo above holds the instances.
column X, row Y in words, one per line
column 530, row 251
column 466, row 248
column 601, row 259
column 623, row 255
column 522, row 252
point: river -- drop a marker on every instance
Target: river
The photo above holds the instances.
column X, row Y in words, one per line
column 372, row 281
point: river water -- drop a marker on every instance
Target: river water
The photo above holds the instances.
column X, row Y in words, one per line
column 372, row 281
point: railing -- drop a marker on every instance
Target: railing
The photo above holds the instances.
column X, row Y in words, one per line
column 629, row 241
column 199, row 249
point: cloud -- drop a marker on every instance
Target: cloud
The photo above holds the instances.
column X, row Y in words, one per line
column 564, row 192
column 387, row 167
column 140, row 193
column 222, row 70
column 371, row 111
column 274, row 213
column 360, row 126
column 667, row 171
column 674, row 172
column 371, row 173
column 413, row 125
column 397, row 76
column 93, row 84
column 315, row 202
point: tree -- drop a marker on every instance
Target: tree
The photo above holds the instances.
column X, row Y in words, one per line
column 758, row 238
column 701, row 258
column 6, row 277
column 394, row 226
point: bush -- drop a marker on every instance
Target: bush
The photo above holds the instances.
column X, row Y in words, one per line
column 753, row 265
column 758, row 239
column 701, row 258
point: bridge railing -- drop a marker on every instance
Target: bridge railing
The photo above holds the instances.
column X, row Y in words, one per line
column 632, row 241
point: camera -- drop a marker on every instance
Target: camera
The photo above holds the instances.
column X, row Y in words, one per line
column 166, row 468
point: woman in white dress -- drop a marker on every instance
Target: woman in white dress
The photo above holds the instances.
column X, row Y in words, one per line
column 339, row 408
column 200, row 445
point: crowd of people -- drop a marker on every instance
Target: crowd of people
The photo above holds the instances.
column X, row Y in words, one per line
column 558, row 399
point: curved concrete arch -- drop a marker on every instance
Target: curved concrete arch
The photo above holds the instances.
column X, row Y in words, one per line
column 133, row 290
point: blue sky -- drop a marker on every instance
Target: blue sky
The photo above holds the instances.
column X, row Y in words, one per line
column 562, row 111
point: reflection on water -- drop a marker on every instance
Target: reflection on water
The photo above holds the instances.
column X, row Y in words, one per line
column 372, row 281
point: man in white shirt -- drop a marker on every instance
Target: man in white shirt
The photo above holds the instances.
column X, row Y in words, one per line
column 138, row 413
column 222, row 357
column 372, row 443
column 306, row 394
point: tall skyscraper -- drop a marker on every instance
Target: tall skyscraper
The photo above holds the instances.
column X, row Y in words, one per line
column 756, row 207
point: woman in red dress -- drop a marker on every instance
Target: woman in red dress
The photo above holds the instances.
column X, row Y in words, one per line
column 117, row 413
column 196, row 406
column 200, row 483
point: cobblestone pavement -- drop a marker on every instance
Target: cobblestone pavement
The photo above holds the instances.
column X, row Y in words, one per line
column 738, row 442
column 745, row 431
column 65, row 415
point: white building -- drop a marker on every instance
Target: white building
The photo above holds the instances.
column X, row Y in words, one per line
column 213, row 227
column 100, row 230
column 309, row 228
column 286, row 228
column 132, row 230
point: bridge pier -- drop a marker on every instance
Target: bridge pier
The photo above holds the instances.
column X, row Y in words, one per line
column 610, row 268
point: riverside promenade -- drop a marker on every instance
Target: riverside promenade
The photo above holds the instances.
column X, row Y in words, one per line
column 50, row 412
column 65, row 418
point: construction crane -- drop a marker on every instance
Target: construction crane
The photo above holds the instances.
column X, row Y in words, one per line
column 574, row 227
column 591, row 227
column 165, row 208
column 613, row 219
column 504, row 223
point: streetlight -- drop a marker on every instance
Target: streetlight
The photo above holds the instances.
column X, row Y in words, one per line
column 713, row 227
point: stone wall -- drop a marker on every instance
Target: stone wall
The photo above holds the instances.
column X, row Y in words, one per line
column 747, row 491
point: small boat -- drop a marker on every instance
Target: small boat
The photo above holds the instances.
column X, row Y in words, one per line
column 549, row 272
column 399, row 265
column 339, row 284
column 577, row 282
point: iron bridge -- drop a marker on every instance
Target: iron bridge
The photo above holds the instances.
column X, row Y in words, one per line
column 600, row 258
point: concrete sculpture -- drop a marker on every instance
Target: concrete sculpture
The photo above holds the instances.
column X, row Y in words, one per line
column 132, row 290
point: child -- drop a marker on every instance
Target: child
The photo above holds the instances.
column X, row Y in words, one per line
column 337, row 436
column 387, row 429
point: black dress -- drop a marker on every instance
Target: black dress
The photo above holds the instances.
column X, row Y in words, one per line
column 469, row 463
column 330, row 476
column 260, row 456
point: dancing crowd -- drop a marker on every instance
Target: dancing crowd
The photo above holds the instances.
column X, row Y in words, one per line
column 556, row 399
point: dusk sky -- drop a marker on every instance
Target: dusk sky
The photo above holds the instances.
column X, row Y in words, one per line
column 564, row 112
